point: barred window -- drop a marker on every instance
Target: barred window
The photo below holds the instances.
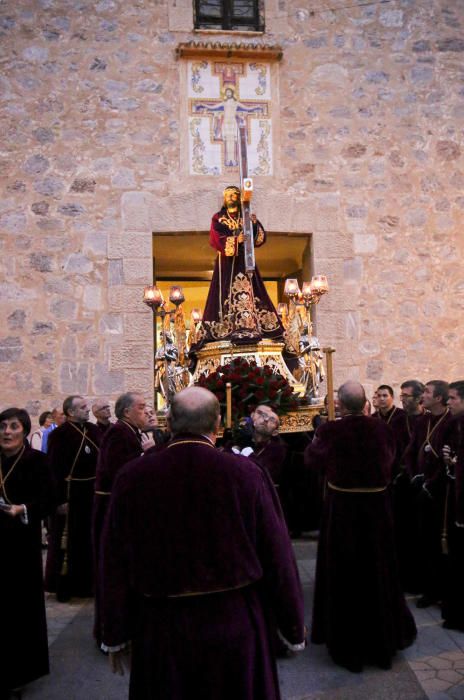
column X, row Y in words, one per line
column 228, row 14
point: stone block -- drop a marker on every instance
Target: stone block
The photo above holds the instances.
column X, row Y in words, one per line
column 93, row 297
column 43, row 328
column 353, row 270
column 35, row 165
column 63, row 309
column 41, row 262
column 96, row 242
column 141, row 381
column 135, row 211
column 105, row 381
column 126, row 299
column 74, row 378
column 139, row 327
column 123, row 178
column 69, row 347
column 79, row 263
column 364, row 243
column 352, row 325
column 13, row 222
column 11, row 349
column 142, row 244
column 138, row 270
column 16, row 319
column 115, row 273
column 111, row 324
column 131, row 356
column 374, row 369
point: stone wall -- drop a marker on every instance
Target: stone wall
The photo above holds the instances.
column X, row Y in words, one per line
column 369, row 160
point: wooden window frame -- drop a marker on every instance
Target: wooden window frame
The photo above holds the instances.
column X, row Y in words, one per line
column 228, row 22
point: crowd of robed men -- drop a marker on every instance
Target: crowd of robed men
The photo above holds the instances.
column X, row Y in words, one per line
column 186, row 549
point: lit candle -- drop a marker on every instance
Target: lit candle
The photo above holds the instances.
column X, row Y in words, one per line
column 196, row 315
column 152, row 297
column 291, row 288
column 319, row 284
column 282, row 309
column 228, row 405
column 176, row 295
column 306, row 289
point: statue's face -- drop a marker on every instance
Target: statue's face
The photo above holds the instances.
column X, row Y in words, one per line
column 231, row 198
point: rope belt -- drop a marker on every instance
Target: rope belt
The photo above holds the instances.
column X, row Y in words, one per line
column 378, row 489
column 191, row 594
column 73, row 478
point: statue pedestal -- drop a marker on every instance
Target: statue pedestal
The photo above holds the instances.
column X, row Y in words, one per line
column 265, row 353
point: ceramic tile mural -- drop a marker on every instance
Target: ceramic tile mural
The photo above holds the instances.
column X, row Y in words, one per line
column 221, row 95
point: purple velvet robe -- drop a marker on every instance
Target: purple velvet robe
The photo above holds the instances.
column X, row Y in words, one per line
column 23, row 641
column 194, row 555
column 248, row 314
column 420, row 460
column 63, row 446
column 423, row 458
column 271, row 455
column 120, row 444
column 359, row 610
column 453, row 597
column 395, row 418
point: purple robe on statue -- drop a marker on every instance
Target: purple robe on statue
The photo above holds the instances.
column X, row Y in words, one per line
column 236, row 310
column 194, row 556
column 73, row 461
column 23, row 640
column 121, row 444
column 359, row 610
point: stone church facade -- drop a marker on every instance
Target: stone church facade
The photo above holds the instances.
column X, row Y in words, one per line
column 364, row 153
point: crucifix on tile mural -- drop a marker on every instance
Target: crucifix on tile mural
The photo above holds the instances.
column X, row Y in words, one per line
column 231, row 93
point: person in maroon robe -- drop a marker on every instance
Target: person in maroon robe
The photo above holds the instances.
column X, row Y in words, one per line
column 394, row 417
column 452, row 608
column 424, row 462
column 26, row 496
column 359, row 610
column 121, row 444
column 237, row 309
column 193, row 558
column 72, row 454
column 404, row 501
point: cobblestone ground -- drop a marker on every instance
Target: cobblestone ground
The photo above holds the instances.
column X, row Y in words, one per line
column 432, row 668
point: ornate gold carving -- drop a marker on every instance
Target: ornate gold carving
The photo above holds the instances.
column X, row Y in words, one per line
column 230, row 247
column 231, row 223
column 217, row 49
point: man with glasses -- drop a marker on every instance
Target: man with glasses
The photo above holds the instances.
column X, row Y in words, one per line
column 102, row 411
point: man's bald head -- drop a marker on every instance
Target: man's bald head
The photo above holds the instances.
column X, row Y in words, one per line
column 352, row 397
column 194, row 410
column 102, row 411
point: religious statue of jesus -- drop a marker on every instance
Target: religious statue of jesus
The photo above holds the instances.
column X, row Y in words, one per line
column 238, row 308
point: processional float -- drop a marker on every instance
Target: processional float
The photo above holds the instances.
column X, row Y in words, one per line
column 173, row 356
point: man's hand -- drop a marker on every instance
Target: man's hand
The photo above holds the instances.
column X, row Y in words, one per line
column 147, row 444
column 14, row 511
column 62, row 509
column 241, row 237
column 119, row 660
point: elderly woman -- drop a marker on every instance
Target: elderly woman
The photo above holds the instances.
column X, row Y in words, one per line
column 25, row 498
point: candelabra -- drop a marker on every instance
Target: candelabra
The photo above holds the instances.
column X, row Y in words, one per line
column 170, row 372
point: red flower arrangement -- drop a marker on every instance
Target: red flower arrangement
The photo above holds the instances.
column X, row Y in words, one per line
column 251, row 385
